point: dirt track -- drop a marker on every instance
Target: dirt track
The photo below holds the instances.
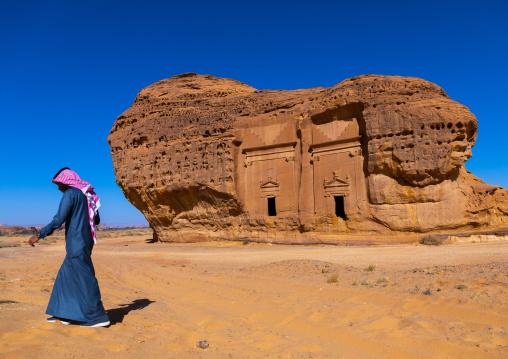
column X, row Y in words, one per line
column 266, row 301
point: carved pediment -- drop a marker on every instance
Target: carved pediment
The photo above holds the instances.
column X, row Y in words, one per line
column 270, row 183
column 337, row 185
column 269, row 188
column 337, row 182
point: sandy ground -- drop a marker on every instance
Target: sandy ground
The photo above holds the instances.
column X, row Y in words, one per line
column 265, row 301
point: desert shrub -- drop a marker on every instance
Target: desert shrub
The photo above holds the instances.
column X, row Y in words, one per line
column 414, row 290
column 368, row 283
column 383, row 280
column 431, row 240
column 371, row 267
column 432, row 271
column 474, row 295
column 123, row 232
column 333, row 279
column 461, row 287
column 47, row 241
column 4, row 244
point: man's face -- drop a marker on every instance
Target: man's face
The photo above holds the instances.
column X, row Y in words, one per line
column 62, row 187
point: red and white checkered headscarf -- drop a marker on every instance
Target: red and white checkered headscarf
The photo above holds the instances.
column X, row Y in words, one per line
column 71, row 178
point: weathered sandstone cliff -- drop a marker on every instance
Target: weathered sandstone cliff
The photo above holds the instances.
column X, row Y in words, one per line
column 206, row 157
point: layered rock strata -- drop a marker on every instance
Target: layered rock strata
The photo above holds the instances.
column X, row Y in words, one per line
column 205, row 157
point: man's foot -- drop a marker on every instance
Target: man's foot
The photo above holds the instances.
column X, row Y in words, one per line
column 101, row 322
column 54, row 319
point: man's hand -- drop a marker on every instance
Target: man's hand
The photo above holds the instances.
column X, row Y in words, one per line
column 32, row 240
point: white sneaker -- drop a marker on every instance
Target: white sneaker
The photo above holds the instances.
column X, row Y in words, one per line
column 55, row 319
column 101, row 322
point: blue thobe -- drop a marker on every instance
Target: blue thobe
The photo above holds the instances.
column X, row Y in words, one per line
column 76, row 295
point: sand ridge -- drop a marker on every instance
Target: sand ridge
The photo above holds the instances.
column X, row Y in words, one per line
column 266, row 301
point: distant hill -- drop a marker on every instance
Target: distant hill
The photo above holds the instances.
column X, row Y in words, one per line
column 6, row 230
column 16, row 230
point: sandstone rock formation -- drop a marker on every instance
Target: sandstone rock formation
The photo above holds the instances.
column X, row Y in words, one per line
column 14, row 230
column 205, row 157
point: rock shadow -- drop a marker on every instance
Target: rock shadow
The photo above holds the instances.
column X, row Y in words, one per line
column 116, row 315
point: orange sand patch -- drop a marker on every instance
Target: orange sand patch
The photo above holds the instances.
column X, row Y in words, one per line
column 265, row 301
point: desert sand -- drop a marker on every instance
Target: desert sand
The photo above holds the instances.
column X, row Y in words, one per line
column 265, row 301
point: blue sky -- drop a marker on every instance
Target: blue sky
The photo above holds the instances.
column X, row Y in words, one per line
column 69, row 69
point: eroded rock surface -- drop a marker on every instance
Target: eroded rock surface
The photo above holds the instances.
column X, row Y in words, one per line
column 206, row 157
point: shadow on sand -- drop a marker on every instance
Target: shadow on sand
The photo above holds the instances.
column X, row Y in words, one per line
column 116, row 315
